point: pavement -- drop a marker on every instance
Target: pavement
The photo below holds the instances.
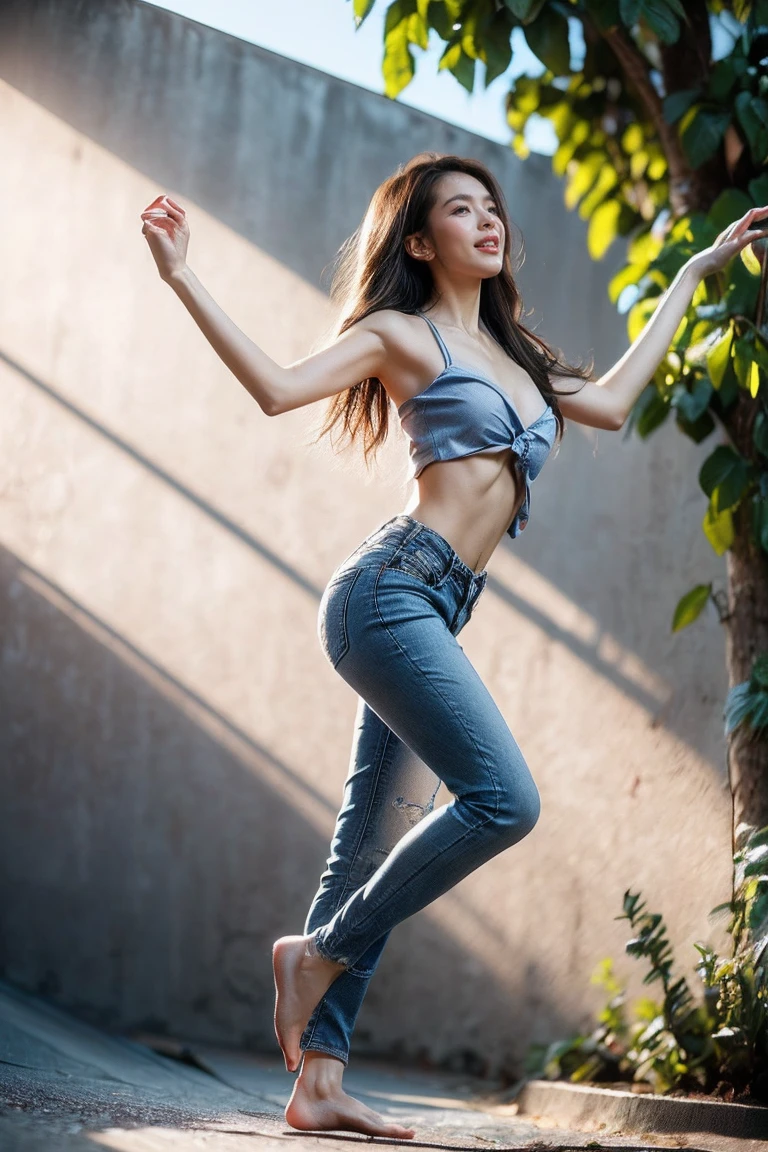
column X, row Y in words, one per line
column 68, row 1087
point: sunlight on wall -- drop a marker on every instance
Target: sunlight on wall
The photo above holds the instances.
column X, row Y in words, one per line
column 152, row 501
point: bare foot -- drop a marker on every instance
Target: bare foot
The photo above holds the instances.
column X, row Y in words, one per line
column 319, row 1104
column 302, row 977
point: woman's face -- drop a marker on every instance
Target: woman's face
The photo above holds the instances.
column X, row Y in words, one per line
column 464, row 233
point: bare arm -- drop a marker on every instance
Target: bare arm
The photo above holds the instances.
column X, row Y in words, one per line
column 607, row 402
column 355, row 355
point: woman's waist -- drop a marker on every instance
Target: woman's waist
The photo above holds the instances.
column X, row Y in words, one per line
column 471, row 502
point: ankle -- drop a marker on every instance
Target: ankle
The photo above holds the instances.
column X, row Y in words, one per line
column 313, row 958
column 320, row 1072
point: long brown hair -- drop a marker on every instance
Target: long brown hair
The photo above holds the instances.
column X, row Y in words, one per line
column 373, row 270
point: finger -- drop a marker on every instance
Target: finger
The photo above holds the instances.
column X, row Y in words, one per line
column 750, row 219
column 174, row 213
column 178, row 207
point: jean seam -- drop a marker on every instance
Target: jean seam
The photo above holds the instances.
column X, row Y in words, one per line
column 345, row 888
column 379, row 761
column 475, row 827
column 435, row 689
column 351, row 581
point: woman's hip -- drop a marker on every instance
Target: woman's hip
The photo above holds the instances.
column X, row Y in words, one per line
column 404, row 574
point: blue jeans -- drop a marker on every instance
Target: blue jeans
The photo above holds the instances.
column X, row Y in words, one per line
column 388, row 623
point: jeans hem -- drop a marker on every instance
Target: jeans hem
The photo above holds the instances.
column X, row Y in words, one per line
column 326, row 955
column 312, row 1046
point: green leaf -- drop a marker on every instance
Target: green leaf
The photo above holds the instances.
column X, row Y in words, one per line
column 623, row 278
column 738, row 704
column 760, row 670
column 547, row 38
column 722, row 78
column 398, row 65
column 603, row 228
column 605, row 14
column 759, row 523
column 442, row 15
column 677, row 103
column 718, row 358
column 718, row 529
column 462, row 66
column 760, row 432
column 724, row 477
column 698, row 429
column 690, row 607
column 639, row 315
column 702, row 132
column 649, row 412
column 750, row 260
column 752, row 114
column 525, row 10
column 660, row 15
column 745, row 365
column 583, row 177
column 758, row 189
column 598, row 193
column 497, row 48
column 692, row 404
column 729, row 206
column 361, row 9
column 741, row 293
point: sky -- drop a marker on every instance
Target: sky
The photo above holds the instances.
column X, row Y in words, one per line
column 322, row 33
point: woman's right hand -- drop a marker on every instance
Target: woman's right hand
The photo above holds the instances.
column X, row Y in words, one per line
column 167, row 233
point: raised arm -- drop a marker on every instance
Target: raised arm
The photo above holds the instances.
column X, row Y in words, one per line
column 355, row 355
column 607, row 402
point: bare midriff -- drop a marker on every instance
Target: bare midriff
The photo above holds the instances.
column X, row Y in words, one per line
column 471, row 502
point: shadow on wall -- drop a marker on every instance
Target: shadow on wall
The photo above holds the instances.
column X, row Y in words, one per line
column 265, row 144
column 165, row 477
column 172, row 856
column 288, row 157
column 154, row 810
column 588, row 652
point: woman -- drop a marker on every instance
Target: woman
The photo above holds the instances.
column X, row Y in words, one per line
column 429, row 321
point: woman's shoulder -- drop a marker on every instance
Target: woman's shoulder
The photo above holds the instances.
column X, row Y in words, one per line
column 393, row 327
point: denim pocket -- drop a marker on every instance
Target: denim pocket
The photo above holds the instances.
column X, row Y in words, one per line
column 421, row 559
column 332, row 629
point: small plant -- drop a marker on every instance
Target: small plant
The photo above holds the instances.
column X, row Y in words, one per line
column 716, row 1045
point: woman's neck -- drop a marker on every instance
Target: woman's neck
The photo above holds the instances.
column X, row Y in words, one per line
column 458, row 306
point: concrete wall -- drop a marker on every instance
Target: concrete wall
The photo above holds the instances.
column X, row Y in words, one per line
column 173, row 743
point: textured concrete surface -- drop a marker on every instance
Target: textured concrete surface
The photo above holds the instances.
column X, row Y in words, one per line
column 172, row 741
column 66, row 1086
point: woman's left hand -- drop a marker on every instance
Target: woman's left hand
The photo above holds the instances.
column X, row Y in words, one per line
column 731, row 241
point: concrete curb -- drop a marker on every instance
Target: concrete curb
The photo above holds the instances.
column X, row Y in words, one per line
column 579, row 1106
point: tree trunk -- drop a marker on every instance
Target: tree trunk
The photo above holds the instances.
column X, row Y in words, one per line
column 746, row 638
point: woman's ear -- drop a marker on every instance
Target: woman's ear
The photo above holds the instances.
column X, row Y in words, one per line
column 419, row 247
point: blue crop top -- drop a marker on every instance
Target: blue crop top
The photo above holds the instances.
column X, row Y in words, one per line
column 451, row 418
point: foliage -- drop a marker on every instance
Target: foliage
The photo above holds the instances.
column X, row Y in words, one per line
column 661, row 143
column 748, row 702
column 718, row 1044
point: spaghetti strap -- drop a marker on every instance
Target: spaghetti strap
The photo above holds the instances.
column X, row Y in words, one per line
column 438, row 337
